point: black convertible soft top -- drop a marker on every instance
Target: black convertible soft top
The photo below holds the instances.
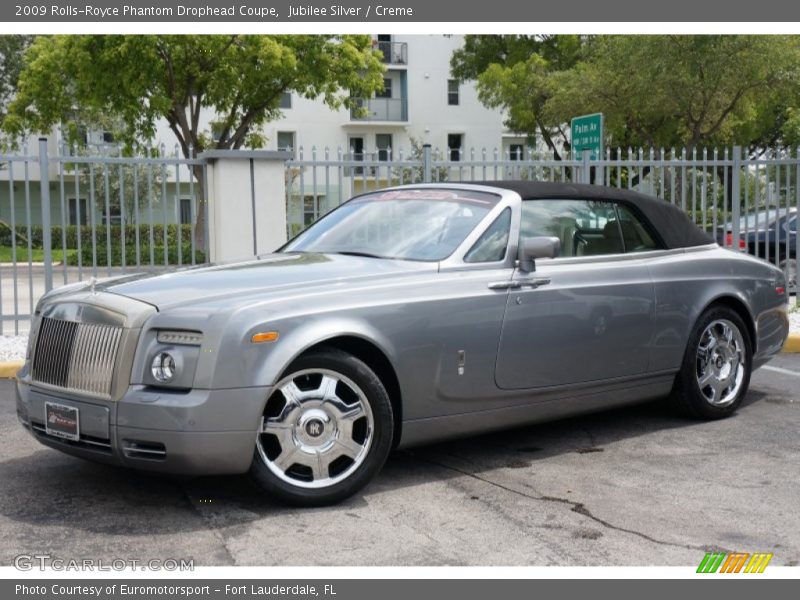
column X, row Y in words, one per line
column 669, row 222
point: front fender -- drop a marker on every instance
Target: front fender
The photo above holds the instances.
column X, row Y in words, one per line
column 242, row 363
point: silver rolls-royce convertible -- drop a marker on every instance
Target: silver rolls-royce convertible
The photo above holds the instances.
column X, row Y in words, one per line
column 405, row 316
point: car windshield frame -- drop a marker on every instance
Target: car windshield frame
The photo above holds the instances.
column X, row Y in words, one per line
column 485, row 203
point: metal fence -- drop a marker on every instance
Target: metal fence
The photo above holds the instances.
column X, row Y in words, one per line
column 748, row 202
column 70, row 215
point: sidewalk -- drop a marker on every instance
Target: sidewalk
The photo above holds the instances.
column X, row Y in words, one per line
column 793, row 343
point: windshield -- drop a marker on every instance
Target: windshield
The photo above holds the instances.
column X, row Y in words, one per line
column 424, row 224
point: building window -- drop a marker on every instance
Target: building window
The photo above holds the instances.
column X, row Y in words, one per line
column 387, row 89
column 216, row 130
column 356, row 144
column 383, row 142
column 384, row 41
column 108, row 137
column 455, row 143
column 452, row 92
column 186, row 211
column 311, row 208
column 77, row 211
column 286, row 100
column 516, row 151
column 114, row 216
column 286, row 142
column 82, row 136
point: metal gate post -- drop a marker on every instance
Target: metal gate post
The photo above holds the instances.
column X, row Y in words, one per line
column 599, row 171
column 587, row 166
column 426, row 163
column 736, row 169
column 44, row 180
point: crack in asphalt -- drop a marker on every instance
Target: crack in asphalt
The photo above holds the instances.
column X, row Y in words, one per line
column 195, row 507
column 576, row 507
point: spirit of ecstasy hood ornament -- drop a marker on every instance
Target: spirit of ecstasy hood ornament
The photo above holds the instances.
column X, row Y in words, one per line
column 92, row 282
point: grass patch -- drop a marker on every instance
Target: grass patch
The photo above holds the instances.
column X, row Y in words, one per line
column 36, row 255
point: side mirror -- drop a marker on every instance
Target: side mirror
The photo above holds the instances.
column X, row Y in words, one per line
column 537, row 247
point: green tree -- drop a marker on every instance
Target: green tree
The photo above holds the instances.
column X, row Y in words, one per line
column 660, row 91
column 687, row 92
column 139, row 79
column 654, row 91
column 513, row 72
column 684, row 91
column 12, row 57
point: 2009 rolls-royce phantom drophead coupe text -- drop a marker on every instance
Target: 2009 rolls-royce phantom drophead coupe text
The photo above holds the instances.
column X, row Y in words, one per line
column 406, row 315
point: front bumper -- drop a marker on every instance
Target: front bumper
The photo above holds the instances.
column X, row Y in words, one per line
column 200, row 432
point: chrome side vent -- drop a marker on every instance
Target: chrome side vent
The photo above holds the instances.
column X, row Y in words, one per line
column 76, row 356
column 144, row 450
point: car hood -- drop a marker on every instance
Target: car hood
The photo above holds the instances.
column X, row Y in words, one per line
column 269, row 274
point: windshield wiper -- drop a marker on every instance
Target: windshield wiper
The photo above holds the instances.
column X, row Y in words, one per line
column 357, row 253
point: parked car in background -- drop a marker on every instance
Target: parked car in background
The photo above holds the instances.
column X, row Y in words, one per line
column 768, row 234
column 403, row 317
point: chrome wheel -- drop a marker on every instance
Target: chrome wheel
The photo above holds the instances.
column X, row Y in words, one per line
column 720, row 361
column 316, row 430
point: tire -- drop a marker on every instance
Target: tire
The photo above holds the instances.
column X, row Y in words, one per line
column 716, row 368
column 326, row 430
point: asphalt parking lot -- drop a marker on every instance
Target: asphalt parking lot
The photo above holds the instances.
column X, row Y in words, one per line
column 636, row 486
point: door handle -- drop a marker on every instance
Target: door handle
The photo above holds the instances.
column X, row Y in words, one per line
column 505, row 285
column 517, row 284
column 535, row 282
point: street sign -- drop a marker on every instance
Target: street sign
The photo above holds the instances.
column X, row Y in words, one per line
column 587, row 135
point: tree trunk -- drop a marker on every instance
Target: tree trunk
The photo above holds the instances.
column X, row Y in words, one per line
column 725, row 176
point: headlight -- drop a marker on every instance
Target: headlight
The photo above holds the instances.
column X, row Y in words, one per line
column 187, row 338
column 163, row 367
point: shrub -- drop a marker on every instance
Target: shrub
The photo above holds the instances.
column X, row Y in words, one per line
column 71, row 232
column 130, row 254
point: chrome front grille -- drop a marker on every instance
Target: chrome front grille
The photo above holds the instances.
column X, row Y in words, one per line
column 76, row 356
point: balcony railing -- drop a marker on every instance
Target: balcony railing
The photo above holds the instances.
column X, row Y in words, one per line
column 394, row 53
column 380, row 109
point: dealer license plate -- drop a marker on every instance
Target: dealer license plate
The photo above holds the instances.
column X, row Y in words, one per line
column 62, row 421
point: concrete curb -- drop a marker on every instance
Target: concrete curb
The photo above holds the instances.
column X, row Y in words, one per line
column 8, row 370
column 792, row 343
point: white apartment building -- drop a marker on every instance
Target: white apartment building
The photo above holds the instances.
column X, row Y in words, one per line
column 420, row 101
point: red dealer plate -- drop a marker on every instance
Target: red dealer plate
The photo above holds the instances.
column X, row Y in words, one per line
column 61, row 421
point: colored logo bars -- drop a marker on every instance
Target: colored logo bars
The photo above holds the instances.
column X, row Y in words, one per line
column 734, row 562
